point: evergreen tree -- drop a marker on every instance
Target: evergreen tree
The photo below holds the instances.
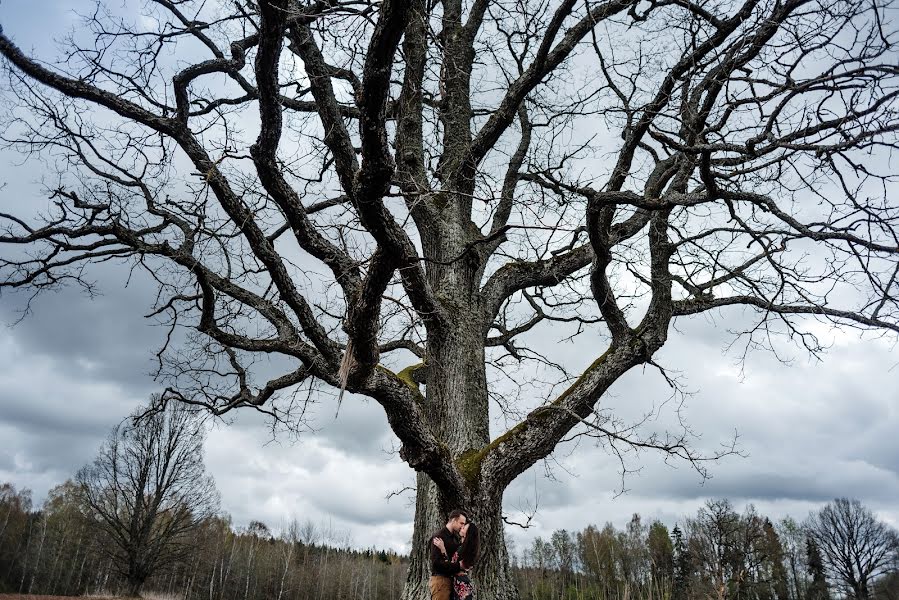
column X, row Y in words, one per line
column 818, row 589
column 775, row 559
column 682, row 566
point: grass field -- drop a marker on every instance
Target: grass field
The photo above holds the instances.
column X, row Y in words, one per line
column 147, row 595
column 29, row 597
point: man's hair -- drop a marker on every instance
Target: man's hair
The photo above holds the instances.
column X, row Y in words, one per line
column 456, row 514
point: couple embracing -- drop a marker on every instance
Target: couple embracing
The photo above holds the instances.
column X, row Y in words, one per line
column 454, row 551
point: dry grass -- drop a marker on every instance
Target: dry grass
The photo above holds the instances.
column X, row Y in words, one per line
column 146, row 596
column 159, row 596
column 29, row 597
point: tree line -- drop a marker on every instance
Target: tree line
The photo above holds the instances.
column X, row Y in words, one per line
column 841, row 551
column 55, row 550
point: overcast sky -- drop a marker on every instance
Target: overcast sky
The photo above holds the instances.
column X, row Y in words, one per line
column 809, row 431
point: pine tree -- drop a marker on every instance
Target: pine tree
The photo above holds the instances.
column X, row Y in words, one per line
column 818, row 589
column 682, row 566
column 775, row 558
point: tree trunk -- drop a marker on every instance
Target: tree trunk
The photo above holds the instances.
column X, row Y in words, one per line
column 40, row 552
column 458, row 410
column 52, row 581
column 861, row 591
column 492, row 576
column 135, row 583
column 137, row 575
column 288, row 554
column 428, row 518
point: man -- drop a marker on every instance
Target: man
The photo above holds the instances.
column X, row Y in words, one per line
column 442, row 568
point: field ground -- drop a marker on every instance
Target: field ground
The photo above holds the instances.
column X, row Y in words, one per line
column 29, row 597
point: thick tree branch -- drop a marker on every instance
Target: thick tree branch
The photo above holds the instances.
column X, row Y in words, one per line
column 336, row 136
column 516, row 276
column 412, row 165
column 698, row 305
column 395, row 249
column 78, row 89
column 346, row 272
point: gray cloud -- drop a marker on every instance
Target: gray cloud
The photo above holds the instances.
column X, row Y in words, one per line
column 53, row 419
column 309, row 480
column 359, row 429
column 105, row 338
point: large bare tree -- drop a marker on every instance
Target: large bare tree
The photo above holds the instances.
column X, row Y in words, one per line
column 400, row 197
column 146, row 494
column 856, row 547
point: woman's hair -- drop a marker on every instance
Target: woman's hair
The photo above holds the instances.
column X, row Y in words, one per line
column 468, row 551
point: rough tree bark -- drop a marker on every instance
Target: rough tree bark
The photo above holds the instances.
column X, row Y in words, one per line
column 431, row 165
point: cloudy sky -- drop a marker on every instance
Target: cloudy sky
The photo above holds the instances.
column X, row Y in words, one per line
column 808, row 431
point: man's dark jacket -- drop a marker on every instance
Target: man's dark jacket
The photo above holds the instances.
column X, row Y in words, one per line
column 440, row 564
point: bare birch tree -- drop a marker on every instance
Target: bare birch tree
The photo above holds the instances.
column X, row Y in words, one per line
column 462, row 178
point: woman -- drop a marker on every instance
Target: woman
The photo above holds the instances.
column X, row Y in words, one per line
column 466, row 556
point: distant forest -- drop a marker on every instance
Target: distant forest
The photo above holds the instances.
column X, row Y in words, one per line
column 719, row 553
